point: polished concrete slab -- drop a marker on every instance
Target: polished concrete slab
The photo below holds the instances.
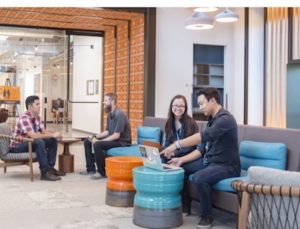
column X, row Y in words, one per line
column 75, row 202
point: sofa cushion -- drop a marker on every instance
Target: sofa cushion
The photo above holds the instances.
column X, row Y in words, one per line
column 255, row 153
column 144, row 133
column 270, row 176
column 132, row 150
column 266, row 154
column 147, row 133
column 225, row 184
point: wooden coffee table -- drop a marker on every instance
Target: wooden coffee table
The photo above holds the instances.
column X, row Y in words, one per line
column 66, row 159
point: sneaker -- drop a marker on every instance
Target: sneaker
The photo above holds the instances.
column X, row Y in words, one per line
column 87, row 173
column 97, row 176
column 56, row 172
column 49, row 176
column 205, row 223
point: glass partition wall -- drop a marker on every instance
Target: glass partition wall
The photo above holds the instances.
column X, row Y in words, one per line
column 34, row 61
column 53, row 64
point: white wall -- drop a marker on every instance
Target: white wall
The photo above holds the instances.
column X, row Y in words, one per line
column 87, row 65
column 256, row 66
column 174, row 60
column 33, row 83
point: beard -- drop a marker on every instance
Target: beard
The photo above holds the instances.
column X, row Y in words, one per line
column 107, row 109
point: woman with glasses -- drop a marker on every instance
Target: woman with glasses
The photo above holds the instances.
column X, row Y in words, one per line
column 179, row 125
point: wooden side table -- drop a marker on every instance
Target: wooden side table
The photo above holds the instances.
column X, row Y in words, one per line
column 66, row 159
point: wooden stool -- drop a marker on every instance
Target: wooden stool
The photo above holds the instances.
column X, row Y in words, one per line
column 119, row 189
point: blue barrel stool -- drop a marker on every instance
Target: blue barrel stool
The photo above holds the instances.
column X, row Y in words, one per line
column 157, row 202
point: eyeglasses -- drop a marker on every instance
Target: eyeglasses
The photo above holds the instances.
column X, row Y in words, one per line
column 178, row 106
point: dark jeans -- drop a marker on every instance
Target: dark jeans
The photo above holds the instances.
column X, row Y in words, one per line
column 99, row 156
column 45, row 150
column 205, row 176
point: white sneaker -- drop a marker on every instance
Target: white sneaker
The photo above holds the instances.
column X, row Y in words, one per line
column 97, row 176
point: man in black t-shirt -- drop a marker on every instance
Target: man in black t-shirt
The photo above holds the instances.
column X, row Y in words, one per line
column 217, row 156
column 117, row 133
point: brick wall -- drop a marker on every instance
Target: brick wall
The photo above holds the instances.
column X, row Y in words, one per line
column 128, row 87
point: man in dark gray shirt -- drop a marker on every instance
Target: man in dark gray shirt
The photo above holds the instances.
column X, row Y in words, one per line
column 217, row 156
column 117, row 133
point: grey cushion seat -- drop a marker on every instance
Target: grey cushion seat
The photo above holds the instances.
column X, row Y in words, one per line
column 18, row 156
column 5, row 155
column 14, row 159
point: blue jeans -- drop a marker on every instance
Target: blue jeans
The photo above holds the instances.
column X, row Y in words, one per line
column 45, row 150
column 204, row 177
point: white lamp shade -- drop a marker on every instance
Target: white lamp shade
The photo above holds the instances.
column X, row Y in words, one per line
column 199, row 21
column 227, row 16
column 206, row 9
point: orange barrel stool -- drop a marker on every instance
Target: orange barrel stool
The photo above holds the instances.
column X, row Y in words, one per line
column 119, row 188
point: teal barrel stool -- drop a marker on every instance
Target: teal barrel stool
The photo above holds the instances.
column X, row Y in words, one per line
column 157, row 202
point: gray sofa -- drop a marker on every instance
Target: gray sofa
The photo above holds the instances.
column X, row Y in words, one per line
column 290, row 137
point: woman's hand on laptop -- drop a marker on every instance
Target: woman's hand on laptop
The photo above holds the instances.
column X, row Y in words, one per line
column 169, row 151
column 176, row 161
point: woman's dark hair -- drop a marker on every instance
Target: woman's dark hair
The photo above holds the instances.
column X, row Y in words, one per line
column 184, row 119
column 30, row 100
column 210, row 92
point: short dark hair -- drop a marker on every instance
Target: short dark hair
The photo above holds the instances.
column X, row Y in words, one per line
column 30, row 100
column 112, row 96
column 210, row 92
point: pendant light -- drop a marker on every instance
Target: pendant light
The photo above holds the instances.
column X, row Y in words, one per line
column 227, row 16
column 199, row 21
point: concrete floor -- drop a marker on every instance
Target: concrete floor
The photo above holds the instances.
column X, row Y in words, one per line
column 75, row 202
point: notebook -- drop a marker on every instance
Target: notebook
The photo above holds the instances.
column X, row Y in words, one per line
column 151, row 159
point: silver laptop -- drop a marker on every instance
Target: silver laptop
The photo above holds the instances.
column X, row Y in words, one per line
column 151, row 159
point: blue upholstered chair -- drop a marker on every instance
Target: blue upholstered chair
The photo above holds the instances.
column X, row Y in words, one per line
column 144, row 133
column 252, row 153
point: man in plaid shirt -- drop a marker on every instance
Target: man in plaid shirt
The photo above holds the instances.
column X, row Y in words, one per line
column 44, row 143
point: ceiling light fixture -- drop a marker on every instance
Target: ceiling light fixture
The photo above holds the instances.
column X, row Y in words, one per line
column 199, row 21
column 206, row 9
column 227, row 16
